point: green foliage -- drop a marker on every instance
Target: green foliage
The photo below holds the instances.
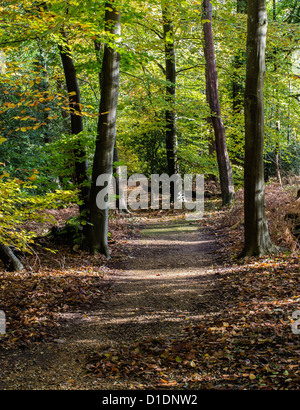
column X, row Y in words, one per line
column 18, row 206
column 34, row 113
column 58, row 167
column 30, row 114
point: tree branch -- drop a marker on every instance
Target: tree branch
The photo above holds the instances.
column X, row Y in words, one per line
column 189, row 68
column 158, row 33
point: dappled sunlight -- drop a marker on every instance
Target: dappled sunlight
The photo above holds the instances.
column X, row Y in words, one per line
column 175, row 241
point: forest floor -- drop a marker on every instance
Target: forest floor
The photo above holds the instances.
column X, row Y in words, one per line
column 172, row 309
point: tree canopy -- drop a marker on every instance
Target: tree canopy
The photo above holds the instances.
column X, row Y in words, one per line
column 162, row 109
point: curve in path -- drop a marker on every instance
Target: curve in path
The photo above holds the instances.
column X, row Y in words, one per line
column 165, row 285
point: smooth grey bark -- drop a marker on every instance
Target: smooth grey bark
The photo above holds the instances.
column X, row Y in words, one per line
column 9, row 259
column 97, row 229
column 80, row 158
column 256, row 235
column 212, row 95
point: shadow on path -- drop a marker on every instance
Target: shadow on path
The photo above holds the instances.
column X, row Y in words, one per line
column 164, row 286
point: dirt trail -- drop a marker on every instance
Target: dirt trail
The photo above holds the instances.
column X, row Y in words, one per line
column 162, row 287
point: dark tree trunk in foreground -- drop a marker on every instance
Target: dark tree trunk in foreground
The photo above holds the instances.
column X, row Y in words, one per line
column 170, row 73
column 257, row 240
column 76, row 123
column 212, row 93
column 9, row 259
column 121, row 201
column 97, row 230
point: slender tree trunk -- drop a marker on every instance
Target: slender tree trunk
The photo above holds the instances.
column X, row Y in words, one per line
column 106, row 135
column 237, row 84
column 43, row 87
column 76, row 123
column 276, row 153
column 256, row 235
column 170, row 72
column 239, row 61
column 276, row 156
column 121, row 202
column 274, row 11
column 212, row 93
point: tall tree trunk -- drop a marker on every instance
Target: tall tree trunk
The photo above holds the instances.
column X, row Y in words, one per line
column 76, row 123
column 103, row 159
column 212, row 93
column 276, row 155
column 121, row 200
column 274, row 11
column 170, row 72
column 256, row 235
column 239, row 61
column 237, row 84
column 43, row 86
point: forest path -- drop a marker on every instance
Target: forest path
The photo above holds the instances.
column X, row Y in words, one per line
column 165, row 285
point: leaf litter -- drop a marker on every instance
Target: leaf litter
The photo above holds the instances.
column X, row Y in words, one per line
column 247, row 343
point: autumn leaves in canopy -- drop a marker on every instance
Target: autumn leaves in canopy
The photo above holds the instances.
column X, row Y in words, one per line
column 163, row 82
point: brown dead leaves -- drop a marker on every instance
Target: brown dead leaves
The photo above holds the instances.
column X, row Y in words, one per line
column 53, row 283
column 32, row 302
column 247, row 344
